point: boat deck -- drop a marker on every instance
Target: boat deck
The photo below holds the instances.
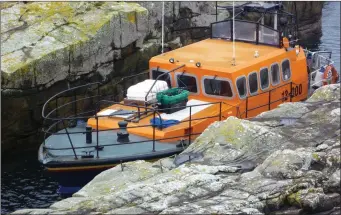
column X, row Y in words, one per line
column 59, row 147
column 196, row 111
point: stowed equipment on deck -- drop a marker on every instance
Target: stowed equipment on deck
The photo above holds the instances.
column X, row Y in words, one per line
column 172, row 100
column 65, row 142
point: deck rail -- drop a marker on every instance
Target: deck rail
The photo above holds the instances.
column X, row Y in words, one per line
column 54, row 121
column 60, row 121
column 59, row 124
column 318, row 60
column 284, row 98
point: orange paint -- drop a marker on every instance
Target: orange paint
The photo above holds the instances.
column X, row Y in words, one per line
column 215, row 58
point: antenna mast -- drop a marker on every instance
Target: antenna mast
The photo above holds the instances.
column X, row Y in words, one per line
column 233, row 36
column 163, row 15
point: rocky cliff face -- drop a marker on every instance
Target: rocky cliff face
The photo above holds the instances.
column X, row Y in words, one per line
column 284, row 161
column 308, row 16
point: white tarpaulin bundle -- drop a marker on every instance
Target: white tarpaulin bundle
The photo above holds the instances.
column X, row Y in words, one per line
column 140, row 90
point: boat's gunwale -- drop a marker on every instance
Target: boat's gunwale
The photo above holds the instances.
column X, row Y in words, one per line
column 55, row 163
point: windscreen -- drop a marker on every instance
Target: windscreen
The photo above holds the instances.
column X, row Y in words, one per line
column 221, row 30
column 268, row 36
column 245, row 31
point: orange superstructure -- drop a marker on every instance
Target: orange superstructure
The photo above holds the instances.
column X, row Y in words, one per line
column 215, row 56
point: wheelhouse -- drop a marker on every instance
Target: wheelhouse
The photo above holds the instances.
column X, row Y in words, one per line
column 262, row 63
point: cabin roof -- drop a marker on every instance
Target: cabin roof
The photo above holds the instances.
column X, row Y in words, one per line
column 216, row 54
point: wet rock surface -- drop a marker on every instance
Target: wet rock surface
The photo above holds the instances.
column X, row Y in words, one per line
column 261, row 166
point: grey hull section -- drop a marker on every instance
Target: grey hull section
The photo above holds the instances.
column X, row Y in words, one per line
column 57, row 151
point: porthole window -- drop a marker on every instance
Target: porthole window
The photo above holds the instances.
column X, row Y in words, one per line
column 253, row 83
column 286, row 72
column 241, row 86
column 156, row 73
column 274, row 74
column 217, row 87
column 264, row 78
column 187, row 81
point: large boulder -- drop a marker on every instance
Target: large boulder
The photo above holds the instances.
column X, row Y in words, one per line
column 46, row 42
column 264, row 165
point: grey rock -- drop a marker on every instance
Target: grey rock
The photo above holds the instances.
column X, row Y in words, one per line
column 33, row 211
column 333, row 183
column 233, row 174
column 286, row 164
column 314, row 200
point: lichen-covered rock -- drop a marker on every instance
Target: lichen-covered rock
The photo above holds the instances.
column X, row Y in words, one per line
column 328, row 93
column 237, row 167
column 41, row 38
column 314, row 200
column 333, row 183
column 34, row 211
column 286, row 164
column 234, row 137
column 118, row 178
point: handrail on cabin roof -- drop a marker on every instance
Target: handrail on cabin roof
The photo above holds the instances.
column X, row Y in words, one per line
column 158, row 77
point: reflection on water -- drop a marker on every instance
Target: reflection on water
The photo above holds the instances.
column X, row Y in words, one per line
column 23, row 184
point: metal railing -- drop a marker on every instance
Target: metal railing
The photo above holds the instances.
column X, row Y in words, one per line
column 54, row 119
column 251, row 32
column 158, row 78
column 270, row 101
column 318, row 61
column 59, row 121
column 141, row 111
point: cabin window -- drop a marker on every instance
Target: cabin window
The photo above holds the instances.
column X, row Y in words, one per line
column 156, row 73
column 217, row 87
column 275, row 74
column 187, row 81
column 241, row 86
column 286, row 72
column 264, row 78
column 253, row 83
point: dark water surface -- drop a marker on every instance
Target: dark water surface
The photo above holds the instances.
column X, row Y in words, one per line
column 330, row 40
column 24, row 185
